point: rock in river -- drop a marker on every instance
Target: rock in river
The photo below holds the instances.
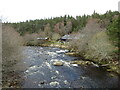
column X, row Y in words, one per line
column 66, row 82
column 58, row 63
column 54, row 83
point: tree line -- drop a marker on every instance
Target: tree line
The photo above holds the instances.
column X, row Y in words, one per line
column 68, row 24
column 61, row 25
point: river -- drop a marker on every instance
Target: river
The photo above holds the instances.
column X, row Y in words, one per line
column 40, row 72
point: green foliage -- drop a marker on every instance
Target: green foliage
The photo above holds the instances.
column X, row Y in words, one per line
column 67, row 24
column 95, row 15
column 113, row 31
column 35, row 26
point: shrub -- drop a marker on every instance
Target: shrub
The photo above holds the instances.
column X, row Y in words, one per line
column 55, row 36
column 93, row 42
column 85, row 35
column 30, row 39
column 100, row 48
column 11, row 54
column 11, row 45
column 73, row 45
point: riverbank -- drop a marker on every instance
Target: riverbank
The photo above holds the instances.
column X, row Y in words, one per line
column 110, row 66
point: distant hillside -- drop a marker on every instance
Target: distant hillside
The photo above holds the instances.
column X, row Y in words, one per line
column 62, row 25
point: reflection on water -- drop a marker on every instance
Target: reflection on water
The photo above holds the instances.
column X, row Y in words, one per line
column 41, row 73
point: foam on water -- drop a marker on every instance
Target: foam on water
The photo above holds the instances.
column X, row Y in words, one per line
column 48, row 65
column 61, row 51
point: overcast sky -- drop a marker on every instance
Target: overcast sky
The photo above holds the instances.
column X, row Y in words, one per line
column 21, row 10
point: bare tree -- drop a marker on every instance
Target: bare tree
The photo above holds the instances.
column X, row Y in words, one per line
column 11, row 54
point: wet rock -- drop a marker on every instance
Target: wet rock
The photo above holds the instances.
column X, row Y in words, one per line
column 58, row 63
column 39, row 85
column 95, row 65
column 75, row 65
column 69, row 53
column 81, row 62
column 72, row 54
column 54, row 83
column 66, row 82
column 83, row 77
column 57, row 72
column 53, row 77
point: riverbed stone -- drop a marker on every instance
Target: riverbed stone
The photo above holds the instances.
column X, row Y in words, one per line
column 82, row 77
column 53, row 77
column 66, row 82
column 58, row 63
column 55, row 83
column 81, row 62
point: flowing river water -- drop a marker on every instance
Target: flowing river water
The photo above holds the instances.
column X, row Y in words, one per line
column 41, row 73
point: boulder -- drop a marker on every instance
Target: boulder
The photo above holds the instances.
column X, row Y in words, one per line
column 66, row 82
column 54, row 83
column 58, row 63
column 80, row 62
column 53, row 77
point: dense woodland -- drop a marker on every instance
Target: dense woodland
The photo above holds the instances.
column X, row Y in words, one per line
column 62, row 25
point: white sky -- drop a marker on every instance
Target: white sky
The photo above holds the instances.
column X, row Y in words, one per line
column 21, row 10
